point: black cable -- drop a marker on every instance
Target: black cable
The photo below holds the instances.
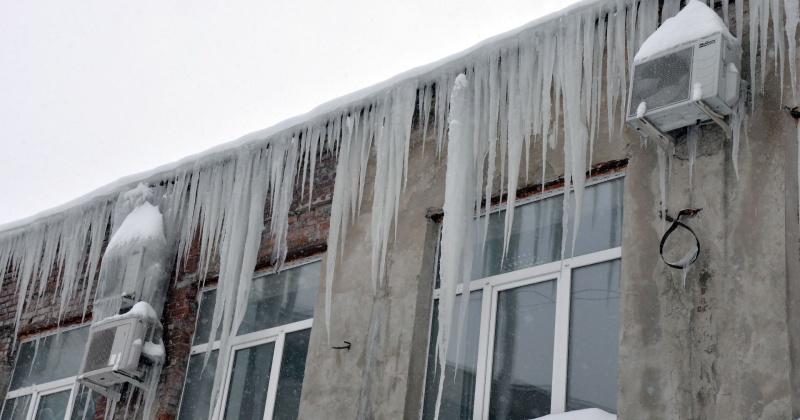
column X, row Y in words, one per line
column 675, row 225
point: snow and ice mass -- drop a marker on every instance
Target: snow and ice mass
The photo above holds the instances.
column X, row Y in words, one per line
column 491, row 103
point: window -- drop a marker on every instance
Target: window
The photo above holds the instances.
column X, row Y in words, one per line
column 43, row 384
column 541, row 334
column 264, row 373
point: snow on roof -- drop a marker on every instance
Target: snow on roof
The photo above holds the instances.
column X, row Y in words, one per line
column 143, row 224
column 694, row 21
column 321, row 113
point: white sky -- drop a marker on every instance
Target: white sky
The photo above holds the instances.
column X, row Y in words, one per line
column 93, row 90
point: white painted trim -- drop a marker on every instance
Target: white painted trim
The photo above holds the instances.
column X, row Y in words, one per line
column 539, row 270
column 275, row 371
column 561, row 342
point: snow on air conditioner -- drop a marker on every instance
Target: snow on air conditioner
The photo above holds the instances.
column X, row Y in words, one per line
column 686, row 72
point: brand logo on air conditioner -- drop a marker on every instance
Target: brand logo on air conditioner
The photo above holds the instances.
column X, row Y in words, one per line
column 707, row 43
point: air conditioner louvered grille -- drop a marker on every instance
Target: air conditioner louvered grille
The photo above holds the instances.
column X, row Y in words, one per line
column 100, row 349
column 663, row 81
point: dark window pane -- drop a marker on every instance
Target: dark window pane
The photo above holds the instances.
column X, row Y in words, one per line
column 293, row 367
column 593, row 337
column 247, row 392
column 16, row 408
column 22, row 368
column 281, row 298
column 85, row 403
column 53, row 406
column 458, row 393
column 199, row 383
column 535, row 238
column 601, row 218
column 204, row 317
column 275, row 299
column 522, row 368
column 536, row 231
column 50, row 358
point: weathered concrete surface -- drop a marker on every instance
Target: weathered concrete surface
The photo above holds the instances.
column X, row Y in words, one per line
column 720, row 347
column 373, row 379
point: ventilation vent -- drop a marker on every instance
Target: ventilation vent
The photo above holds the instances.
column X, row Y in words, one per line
column 100, row 349
column 663, row 81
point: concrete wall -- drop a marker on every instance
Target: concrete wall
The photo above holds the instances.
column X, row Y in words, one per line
column 725, row 345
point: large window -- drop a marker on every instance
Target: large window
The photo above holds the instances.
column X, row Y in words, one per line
column 43, row 384
column 541, row 334
column 264, row 373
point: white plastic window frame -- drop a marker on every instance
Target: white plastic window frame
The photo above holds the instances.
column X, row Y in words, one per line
column 275, row 334
column 48, row 388
column 561, row 272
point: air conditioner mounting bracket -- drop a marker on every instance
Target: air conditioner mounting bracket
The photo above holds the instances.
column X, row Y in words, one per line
column 664, row 140
column 719, row 119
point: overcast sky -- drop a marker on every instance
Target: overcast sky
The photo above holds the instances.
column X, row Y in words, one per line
column 93, row 90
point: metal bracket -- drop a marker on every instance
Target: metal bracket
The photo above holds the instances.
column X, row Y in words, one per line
column 664, row 140
column 717, row 118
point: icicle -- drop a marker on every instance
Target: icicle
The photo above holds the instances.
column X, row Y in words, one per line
column 575, row 133
column 662, row 185
column 514, row 143
column 777, row 39
column 764, row 29
column 459, row 214
column 691, row 144
column 739, row 19
column 792, row 17
column 725, row 14
column 739, row 119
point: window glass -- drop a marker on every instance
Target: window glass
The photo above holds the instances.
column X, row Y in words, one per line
column 85, row 402
column 247, row 392
column 535, row 239
column 536, row 231
column 53, row 406
column 281, row 298
column 601, row 218
column 204, row 317
column 458, row 395
column 275, row 299
column 16, row 408
column 290, row 383
column 593, row 337
column 50, row 358
column 522, row 366
column 199, row 384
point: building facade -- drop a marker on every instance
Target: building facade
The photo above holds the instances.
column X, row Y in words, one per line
column 342, row 260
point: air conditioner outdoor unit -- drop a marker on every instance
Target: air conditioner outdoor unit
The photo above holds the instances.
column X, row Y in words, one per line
column 113, row 354
column 685, row 84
